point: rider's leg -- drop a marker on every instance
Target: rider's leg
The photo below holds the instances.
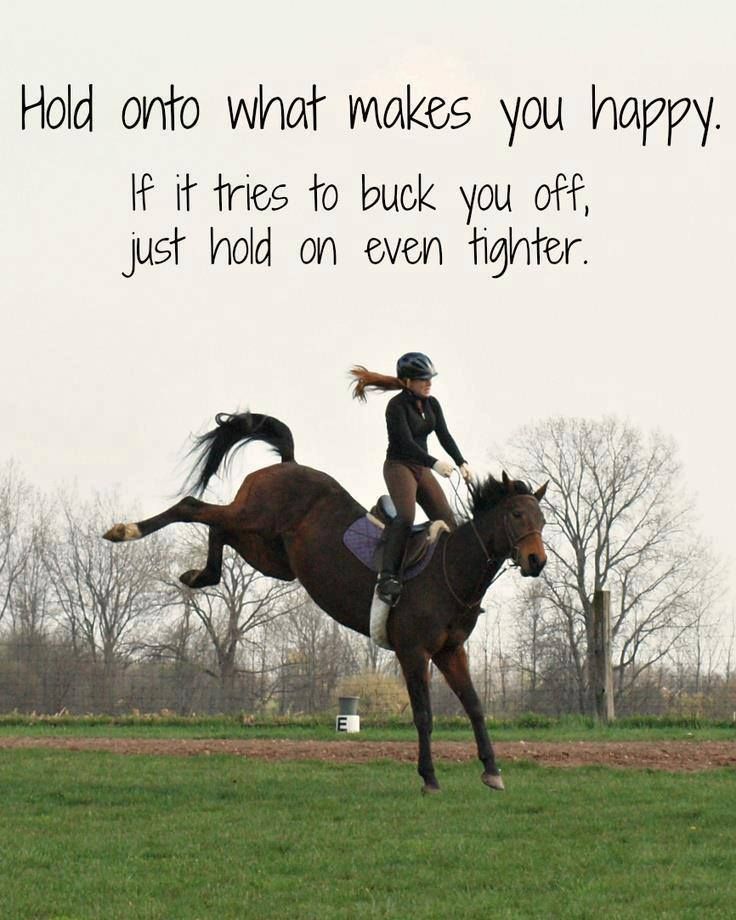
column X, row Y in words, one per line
column 402, row 487
column 433, row 500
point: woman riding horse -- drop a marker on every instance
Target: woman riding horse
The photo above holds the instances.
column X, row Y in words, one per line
column 411, row 416
column 288, row 521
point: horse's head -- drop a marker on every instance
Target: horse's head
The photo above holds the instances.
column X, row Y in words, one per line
column 515, row 521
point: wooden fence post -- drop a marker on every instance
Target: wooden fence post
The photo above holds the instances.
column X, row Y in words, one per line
column 603, row 676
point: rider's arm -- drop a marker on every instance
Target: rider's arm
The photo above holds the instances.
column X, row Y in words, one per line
column 443, row 435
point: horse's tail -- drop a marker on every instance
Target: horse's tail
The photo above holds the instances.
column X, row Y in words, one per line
column 237, row 429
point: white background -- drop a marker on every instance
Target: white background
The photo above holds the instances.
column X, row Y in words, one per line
column 103, row 378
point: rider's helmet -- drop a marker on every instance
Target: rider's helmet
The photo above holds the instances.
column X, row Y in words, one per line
column 415, row 366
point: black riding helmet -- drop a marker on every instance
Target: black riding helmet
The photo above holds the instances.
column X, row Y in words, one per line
column 415, row 366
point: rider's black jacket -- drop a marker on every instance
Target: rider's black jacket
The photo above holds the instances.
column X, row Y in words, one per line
column 409, row 420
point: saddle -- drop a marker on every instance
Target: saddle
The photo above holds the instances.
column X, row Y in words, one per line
column 364, row 538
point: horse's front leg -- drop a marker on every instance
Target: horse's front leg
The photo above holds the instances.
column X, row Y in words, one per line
column 454, row 665
column 416, row 673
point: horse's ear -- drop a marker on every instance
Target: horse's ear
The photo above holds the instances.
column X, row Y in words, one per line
column 508, row 483
column 539, row 494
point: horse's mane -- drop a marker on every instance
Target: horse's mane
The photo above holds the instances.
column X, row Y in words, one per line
column 488, row 492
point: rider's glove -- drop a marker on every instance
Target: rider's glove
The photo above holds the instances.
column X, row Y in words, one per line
column 443, row 468
column 467, row 473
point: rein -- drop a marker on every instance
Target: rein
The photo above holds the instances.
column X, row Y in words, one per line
column 490, row 560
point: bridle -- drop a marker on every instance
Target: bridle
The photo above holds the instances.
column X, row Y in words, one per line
column 514, row 543
column 491, row 560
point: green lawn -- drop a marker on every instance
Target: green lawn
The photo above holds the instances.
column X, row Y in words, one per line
column 529, row 728
column 99, row 835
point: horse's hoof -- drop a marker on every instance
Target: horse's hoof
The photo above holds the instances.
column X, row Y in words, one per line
column 190, row 578
column 493, row 781
column 199, row 578
column 430, row 790
column 118, row 533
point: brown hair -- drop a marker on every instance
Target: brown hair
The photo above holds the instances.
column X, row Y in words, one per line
column 369, row 380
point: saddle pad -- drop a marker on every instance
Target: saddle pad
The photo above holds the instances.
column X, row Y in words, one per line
column 362, row 537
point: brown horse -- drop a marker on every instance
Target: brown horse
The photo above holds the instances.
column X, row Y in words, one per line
column 288, row 521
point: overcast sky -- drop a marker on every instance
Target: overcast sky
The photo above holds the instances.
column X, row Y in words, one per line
column 104, row 377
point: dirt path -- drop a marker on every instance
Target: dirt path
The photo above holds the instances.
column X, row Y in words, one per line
column 679, row 756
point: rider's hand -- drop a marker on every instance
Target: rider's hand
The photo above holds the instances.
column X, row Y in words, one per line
column 443, row 468
column 467, row 473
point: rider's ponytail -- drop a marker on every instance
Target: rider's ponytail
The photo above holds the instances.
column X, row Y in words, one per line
column 368, row 380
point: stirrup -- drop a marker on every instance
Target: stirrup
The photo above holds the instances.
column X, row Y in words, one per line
column 388, row 588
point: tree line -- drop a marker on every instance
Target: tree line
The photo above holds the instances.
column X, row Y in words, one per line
column 90, row 627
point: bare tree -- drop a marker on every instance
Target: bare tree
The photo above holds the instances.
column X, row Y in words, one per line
column 484, row 658
column 316, row 654
column 101, row 593
column 15, row 535
column 31, row 596
column 617, row 519
column 34, row 675
column 179, row 645
column 531, row 653
column 730, row 646
column 233, row 614
column 547, row 659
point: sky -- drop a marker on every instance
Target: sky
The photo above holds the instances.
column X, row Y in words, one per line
column 104, row 377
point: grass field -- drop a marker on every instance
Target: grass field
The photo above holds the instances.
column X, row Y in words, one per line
column 98, row 835
column 537, row 728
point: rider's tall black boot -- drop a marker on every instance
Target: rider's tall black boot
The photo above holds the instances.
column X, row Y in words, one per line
column 389, row 578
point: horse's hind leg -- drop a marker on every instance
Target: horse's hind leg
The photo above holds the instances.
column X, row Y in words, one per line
column 454, row 665
column 210, row 574
column 188, row 511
